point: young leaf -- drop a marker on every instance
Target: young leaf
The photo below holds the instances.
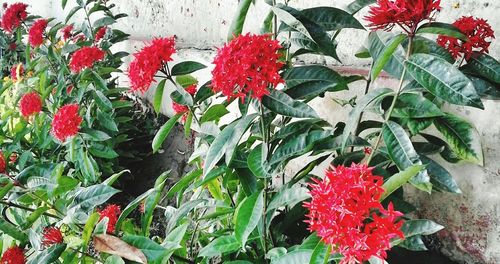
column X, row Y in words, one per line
column 378, row 42
column 158, row 97
column 247, row 216
column 239, row 19
column 385, row 55
column 164, row 131
column 399, row 179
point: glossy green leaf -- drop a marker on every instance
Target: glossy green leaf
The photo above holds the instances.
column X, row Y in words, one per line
column 152, row 201
column 312, row 80
column 283, row 104
column 49, row 255
column 486, row 66
column 411, row 105
column 219, row 246
column 92, row 196
column 485, row 89
column 427, row 46
column 299, row 256
column 441, row 179
column 256, row 163
column 184, row 182
column 153, row 251
column 379, row 42
column 402, row 153
column 214, row 113
column 247, row 216
column 11, row 230
column 163, row 133
column 103, row 21
column 357, row 5
column 443, row 80
column 239, row 19
column 331, row 18
column 444, row 29
column 399, row 179
column 321, row 254
column 386, row 54
column 420, row 227
column 462, row 138
column 131, row 207
column 158, row 97
column 289, row 197
column 186, row 67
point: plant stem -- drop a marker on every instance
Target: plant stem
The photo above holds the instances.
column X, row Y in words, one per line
column 265, row 149
column 394, row 100
column 28, row 209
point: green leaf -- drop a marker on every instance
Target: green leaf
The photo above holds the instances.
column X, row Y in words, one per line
column 443, row 80
column 312, row 80
column 256, row 163
column 462, row 137
column 184, row 182
column 331, row 18
column 442, row 29
column 88, row 228
column 49, row 255
column 107, row 121
column 399, row 179
column 239, row 19
column 485, row 89
column 441, row 179
column 283, row 104
column 219, row 246
column 158, row 97
column 226, row 142
column 361, row 105
column 289, row 197
column 420, row 227
column 70, row 15
column 152, row 201
column 99, row 81
column 486, row 66
column 321, row 254
column 63, row 3
column 247, row 216
column 378, row 42
column 130, row 207
column 103, row 151
column 92, row 196
column 299, row 256
column 103, row 21
column 153, row 251
column 164, row 131
column 427, row 46
column 186, row 80
column 357, row 5
column 214, row 113
column 386, row 54
column 186, row 67
column 410, row 105
column 402, row 153
column 11, row 230
column 114, row 260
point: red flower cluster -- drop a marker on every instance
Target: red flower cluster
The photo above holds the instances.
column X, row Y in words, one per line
column 100, row 34
column 183, row 109
column 340, row 211
column 148, row 61
column 66, row 32
column 85, row 58
column 52, row 236
column 66, row 122
column 35, row 33
column 3, row 164
column 477, row 30
column 247, row 65
column 13, row 16
column 14, row 72
column 112, row 212
column 405, row 13
column 30, row 104
column 13, row 255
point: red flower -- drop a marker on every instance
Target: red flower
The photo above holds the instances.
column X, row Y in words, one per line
column 3, row 164
column 100, row 34
column 66, row 32
column 112, row 212
column 405, row 13
column 367, row 150
column 52, row 236
column 36, row 32
column 30, row 104
column 183, row 109
column 340, row 211
column 16, row 71
column 13, row 255
column 148, row 61
column 79, row 37
column 12, row 46
column 13, row 157
column 247, row 65
column 13, row 16
column 69, row 89
column 66, row 122
column 85, row 58
column 477, row 30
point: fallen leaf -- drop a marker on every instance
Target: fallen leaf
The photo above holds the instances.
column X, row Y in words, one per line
column 115, row 246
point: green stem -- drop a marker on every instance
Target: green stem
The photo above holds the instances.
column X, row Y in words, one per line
column 394, row 100
column 27, row 209
column 265, row 149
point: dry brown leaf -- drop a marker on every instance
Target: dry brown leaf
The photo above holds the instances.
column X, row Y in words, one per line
column 115, row 246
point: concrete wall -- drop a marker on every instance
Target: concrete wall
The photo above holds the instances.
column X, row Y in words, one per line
column 472, row 219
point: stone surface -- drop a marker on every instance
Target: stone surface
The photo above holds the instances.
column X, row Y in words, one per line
column 472, row 234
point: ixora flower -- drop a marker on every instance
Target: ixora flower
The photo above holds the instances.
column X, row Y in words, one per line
column 85, row 58
column 3, row 164
column 52, row 236
column 66, row 122
column 30, row 104
column 345, row 211
column 100, row 34
column 405, row 13
column 66, row 32
column 112, row 212
column 13, row 255
column 13, row 16
column 478, row 31
column 17, row 71
column 247, row 65
column 183, row 109
column 148, row 61
column 35, row 34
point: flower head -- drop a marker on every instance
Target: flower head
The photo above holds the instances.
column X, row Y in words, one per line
column 13, row 255
column 35, row 34
column 405, row 13
column 247, row 65
column 183, row 109
column 30, row 104
column 340, row 210
column 16, row 72
column 13, row 16
column 85, row 58
column 100, row 34
column 66, row 32
column 148, row 61
column 52, row 236
column 477, row 30
column 3, row 164
column 112, row 212
column 12, row 46
column 66, row 122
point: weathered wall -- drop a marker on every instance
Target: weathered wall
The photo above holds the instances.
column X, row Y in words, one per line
column 473, row 219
